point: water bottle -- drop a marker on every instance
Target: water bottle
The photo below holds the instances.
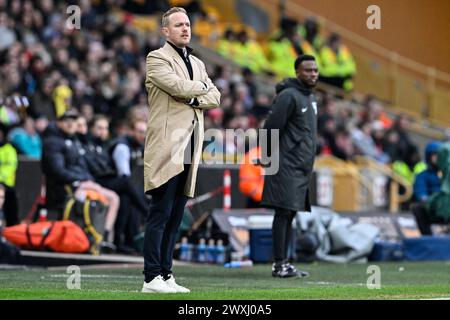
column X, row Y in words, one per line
column 43, row 215
column 220, row 252
column 185, row 250
column 201, row 251
column 239, row 264
column 211, row 251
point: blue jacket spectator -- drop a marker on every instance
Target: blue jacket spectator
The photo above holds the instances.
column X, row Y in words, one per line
column 428, row 181
column 26, row 140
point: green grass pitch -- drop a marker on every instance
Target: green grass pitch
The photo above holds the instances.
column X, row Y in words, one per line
column 399, row 280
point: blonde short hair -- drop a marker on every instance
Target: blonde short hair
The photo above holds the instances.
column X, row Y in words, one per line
column 168, row 13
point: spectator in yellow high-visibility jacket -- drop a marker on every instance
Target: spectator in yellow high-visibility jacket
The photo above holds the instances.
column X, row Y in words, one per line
column 301, row 46
column 285, row 49
column 337, row 64
column 8, row 168
column 249, row 53
column 226, row 46
column 310, row 31
column 8, row 161
column 282, row 57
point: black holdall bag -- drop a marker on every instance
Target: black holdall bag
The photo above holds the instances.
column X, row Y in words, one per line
column 90, row 215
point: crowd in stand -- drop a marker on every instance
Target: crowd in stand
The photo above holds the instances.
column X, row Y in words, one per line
column 346, row 131
column 276, row 55
column 55, row 79
column 51, row 75
column 48, row 71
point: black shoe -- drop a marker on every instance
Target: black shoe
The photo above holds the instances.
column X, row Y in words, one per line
column 126, row 250
column 283, row 271
column 106, row 247
column 286, row 270
column 300, row 273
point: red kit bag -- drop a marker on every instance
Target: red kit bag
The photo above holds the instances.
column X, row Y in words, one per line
column 58, row 236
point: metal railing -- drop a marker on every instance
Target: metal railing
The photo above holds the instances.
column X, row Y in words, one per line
column 353, row 189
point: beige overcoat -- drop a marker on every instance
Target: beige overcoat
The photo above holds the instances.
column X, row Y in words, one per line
column 171, row 121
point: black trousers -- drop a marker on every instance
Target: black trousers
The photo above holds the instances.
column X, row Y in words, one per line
column 424, row 219
column 124, row 185
column 282, row 233
column 133, row 206
column 127, row 225
column 10, row 207
column 163, row 221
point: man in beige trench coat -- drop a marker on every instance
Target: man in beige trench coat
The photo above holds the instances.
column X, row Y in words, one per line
column 179, row 89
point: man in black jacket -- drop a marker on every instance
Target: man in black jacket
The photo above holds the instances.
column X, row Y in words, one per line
column 294, row 114
column 126, row 151
column 99, row 162
column 65, row 167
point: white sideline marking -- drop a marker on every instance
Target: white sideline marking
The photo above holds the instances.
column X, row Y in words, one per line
column 324, row 283
column 97, row 276
column 102, row 257
column 121, row 291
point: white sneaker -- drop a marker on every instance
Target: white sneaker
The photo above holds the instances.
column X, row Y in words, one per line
column 157, row 285
column 172, row 284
